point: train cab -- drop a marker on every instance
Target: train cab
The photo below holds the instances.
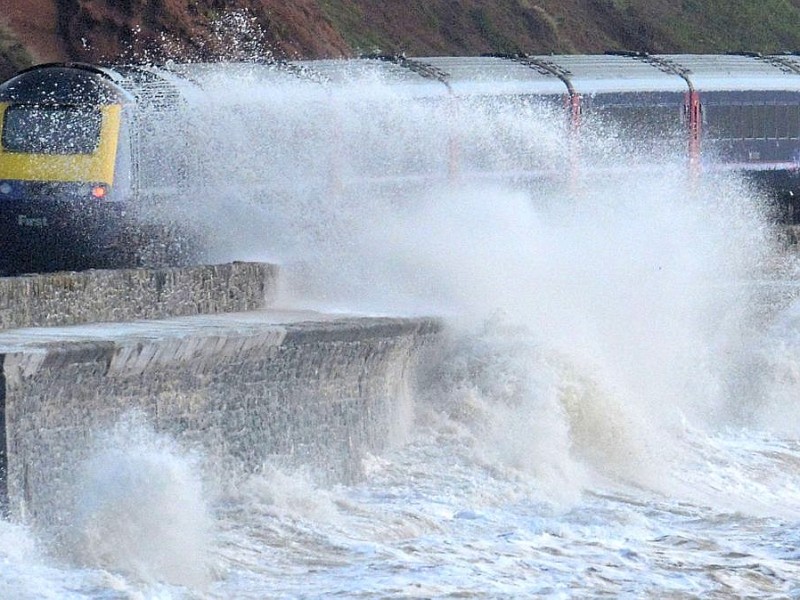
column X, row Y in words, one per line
column 64, row 169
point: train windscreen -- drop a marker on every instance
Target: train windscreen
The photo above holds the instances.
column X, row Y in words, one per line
column 51, row 129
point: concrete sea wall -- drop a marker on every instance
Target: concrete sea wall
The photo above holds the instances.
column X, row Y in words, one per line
column 243, row 388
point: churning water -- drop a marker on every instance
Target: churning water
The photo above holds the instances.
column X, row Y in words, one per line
column 614, row 411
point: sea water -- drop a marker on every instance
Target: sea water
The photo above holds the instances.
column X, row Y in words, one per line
column 613, row 411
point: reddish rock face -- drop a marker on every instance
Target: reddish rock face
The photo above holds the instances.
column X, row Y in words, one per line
column 110, row 31
column 34, row 24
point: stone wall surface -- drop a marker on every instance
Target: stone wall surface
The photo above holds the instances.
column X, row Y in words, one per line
column 68, row 298
column 243, row 388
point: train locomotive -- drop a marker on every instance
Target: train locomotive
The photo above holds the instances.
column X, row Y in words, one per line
column 75, row 172
column 62, row 165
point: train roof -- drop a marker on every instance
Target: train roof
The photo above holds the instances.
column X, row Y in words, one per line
column 170, row 84
column 612, row 73
column 491, row 75
column 543, row 75
column 735, row 72
column 787, row 62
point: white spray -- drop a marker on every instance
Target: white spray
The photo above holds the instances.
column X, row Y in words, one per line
column 138, row 507
column 624, row 286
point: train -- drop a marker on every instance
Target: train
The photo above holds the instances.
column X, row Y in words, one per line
column 79, row 143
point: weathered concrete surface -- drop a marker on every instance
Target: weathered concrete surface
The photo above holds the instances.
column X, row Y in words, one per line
column 123, row 295
column 243, row 387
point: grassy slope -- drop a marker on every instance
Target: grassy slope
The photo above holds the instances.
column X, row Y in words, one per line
column 724, row 25
column 475, row 26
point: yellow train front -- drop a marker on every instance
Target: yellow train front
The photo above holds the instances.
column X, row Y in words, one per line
column 64, row 157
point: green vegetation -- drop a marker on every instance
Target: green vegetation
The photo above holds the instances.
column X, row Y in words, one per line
column 348, row 19
column 766, row 26
column 588, row 26
column 491, row 32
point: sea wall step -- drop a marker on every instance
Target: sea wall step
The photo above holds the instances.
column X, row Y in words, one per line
column 69, row 298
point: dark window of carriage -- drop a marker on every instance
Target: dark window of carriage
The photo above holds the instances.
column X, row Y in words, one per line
column 51, row 129
column 754, row 121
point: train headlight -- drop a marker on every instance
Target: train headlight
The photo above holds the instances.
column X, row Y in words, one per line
column 5, row 188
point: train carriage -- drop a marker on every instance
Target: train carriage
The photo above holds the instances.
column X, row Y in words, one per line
column 749, row 110
column 749, row 119
column 629, row 96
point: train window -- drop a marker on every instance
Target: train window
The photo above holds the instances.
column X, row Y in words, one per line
column 782, row 127
column 760, row 116
column 753, row 121
column 725, row 122
column 768, row 122
column 788, row 121
column 51, row 130
column 743, row 125
column 750, row 121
